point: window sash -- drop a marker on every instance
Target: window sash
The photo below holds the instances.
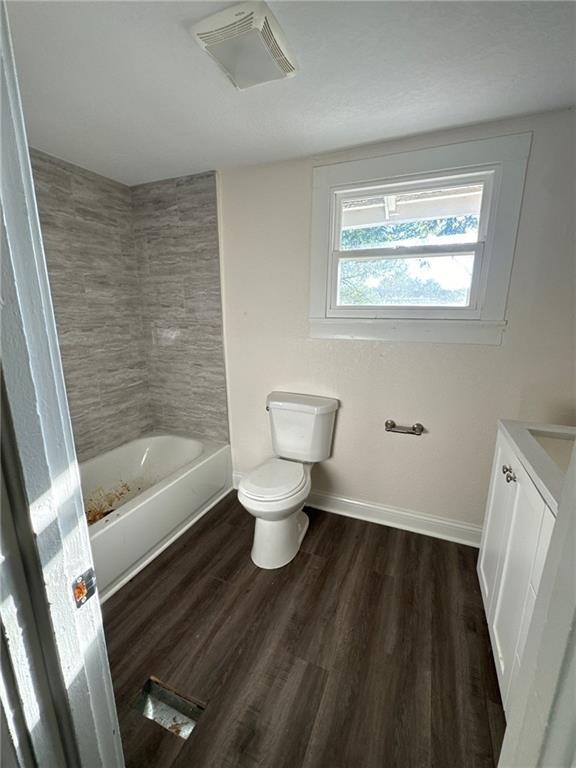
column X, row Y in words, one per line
column 420, row 183
column 471, row 311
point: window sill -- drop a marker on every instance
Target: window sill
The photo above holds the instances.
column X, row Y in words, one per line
column 431, row 331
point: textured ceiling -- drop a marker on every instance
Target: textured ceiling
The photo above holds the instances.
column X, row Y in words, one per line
column 122, row 89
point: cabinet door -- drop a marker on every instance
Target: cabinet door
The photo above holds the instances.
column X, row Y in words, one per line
column 546, row 529
column 496, row 524
column 527, row 512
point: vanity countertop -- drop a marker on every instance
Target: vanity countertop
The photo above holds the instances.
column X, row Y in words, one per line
column 545, row 451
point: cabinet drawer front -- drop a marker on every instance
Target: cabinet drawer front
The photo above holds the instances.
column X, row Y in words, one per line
column 527, row 513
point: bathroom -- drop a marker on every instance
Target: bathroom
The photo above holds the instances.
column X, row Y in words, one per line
column 300, row 334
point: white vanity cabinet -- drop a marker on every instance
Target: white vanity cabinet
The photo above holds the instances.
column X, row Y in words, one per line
column 518, row 526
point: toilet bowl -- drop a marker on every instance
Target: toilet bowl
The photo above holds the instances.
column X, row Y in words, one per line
column 275, row 491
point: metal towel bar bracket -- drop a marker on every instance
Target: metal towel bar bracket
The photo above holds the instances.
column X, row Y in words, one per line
column 415, row 429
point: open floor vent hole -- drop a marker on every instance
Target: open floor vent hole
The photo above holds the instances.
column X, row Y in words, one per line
column 169, row 709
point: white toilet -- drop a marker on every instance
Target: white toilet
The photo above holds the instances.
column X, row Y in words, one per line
column 275, row 492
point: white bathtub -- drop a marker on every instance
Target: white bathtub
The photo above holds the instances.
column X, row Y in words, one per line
column 162, row 484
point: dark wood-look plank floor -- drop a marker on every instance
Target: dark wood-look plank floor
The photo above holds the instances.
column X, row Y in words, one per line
column 370, row 650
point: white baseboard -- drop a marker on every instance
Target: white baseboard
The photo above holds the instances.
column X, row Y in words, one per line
column 418, row 522
column 407, row 520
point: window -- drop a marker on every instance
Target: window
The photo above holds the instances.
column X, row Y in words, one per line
column 421, row 236
column 415, row 245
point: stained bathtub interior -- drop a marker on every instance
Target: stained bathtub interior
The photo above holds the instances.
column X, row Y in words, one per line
column 100, row 502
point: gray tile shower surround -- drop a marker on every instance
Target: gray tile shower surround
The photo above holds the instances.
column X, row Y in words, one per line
column 135, row 281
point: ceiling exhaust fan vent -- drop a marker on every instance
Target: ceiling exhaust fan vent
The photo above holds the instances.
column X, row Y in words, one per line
column 275, row 49
column 247, row 43
column 227, row 31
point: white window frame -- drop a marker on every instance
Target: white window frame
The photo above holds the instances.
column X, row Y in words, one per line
column 499, row 163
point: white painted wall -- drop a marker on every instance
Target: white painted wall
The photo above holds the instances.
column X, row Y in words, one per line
column 457, row 391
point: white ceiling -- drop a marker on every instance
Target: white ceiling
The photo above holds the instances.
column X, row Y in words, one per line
column 122, row 89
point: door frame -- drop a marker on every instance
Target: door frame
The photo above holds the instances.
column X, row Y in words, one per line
column 40, row 466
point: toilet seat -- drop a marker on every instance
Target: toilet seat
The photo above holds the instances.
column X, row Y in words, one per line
column 275, row 480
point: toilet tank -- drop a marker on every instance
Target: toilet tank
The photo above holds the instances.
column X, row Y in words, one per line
column 301, row 425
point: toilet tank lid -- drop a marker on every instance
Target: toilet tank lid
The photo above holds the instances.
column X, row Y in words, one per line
column 292, row 401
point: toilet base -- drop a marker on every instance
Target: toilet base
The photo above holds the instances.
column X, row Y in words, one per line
column 276, row 542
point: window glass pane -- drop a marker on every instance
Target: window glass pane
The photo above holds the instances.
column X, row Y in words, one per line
column 438, row 281
column 441, row 216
